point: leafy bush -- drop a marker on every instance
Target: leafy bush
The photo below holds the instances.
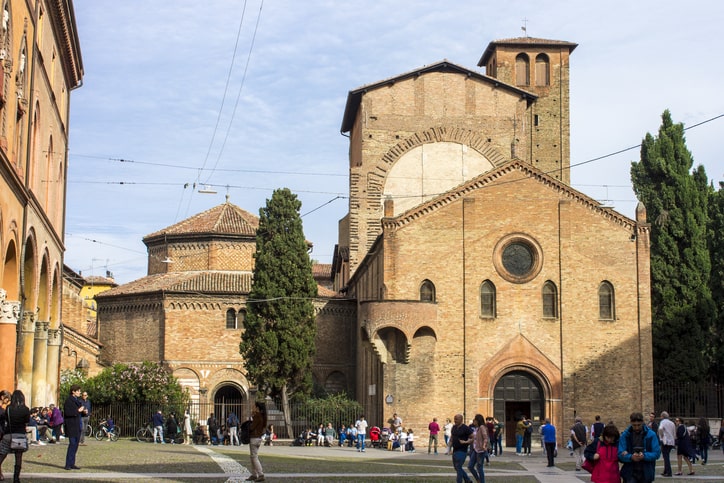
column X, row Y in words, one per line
column 145, row 382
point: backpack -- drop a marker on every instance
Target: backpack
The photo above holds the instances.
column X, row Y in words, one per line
column 244, row 432
column 529, row 429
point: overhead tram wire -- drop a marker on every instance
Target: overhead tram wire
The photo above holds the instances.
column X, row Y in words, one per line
column 221, row 108
column 238, row 94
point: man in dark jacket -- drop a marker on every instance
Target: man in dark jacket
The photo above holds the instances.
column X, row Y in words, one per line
column 73, row 410
column 638, row 450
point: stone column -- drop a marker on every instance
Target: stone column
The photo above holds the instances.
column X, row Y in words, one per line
column 9, row 314
column 53, row 367
column 40, row 363
column 26, row 345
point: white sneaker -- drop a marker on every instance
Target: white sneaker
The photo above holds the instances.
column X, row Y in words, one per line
column 40, row 443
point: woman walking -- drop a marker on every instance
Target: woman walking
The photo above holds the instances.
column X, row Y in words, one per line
column 258, row 426
column 683, row 446
column 15, row 417
column 603, row 454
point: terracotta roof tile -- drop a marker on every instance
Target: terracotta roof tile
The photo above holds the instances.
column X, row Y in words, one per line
column 227, row 219
column 193, row 281
column 322, row 270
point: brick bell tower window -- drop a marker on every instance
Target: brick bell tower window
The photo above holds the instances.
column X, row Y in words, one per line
column 427, row 291
column 518, row 258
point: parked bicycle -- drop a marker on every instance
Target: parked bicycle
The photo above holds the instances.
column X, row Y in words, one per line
column 145, row 435
column 105, row 432
column 89, row 431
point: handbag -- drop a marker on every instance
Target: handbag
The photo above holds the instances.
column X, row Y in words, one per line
column 18, row 441
column 588, row 466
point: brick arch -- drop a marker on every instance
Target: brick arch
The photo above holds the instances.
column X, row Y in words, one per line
column 521, row 355
column 437, row 134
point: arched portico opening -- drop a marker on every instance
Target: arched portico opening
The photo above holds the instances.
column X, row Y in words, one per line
column 228, row 398
column 518, row 393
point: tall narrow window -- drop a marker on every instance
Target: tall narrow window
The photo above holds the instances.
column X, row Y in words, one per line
column 522, row 70
column 487, row 299
column 231, row 319
column 542, row 70
column 427, row 291
column 550, row 300
column 606, row 302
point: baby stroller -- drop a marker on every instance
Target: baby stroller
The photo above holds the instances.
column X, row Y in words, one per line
column 375, row 437
column 384, row 437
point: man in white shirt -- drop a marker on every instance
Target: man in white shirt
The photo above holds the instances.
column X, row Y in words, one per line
column 667, row 436
column 361, row 426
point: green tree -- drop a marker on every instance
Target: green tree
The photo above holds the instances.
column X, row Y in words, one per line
column 676, row 204
column 716, row 282
column 279, row 328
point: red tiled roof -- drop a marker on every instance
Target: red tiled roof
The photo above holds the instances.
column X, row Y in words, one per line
column 213, row 281
column 320, row 270
column 225, row 219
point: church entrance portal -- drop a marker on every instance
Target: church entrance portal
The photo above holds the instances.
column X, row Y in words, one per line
column 518, row 394
column 229, row 398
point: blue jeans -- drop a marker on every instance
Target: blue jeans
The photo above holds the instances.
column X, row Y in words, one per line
column 476, row 465
column 458, row 458
column 518, row 443
column 360, row 442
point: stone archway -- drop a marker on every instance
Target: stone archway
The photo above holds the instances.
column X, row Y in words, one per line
column 518, row 393
column 229, row 398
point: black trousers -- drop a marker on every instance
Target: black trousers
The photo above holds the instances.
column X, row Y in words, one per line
column 550, row 452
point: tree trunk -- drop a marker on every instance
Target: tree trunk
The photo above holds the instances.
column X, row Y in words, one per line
column 286, row 411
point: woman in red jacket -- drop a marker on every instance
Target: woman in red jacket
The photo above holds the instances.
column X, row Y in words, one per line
column 603, row 454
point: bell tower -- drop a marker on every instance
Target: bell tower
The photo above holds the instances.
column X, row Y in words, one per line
column 541, row 67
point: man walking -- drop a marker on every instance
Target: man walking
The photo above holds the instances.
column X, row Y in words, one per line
column 85, row 418
column 233, row 424
column 667, row 437
column 361, row 426
column 579, row 439
column 548, row 433
column 460, row 439
column 434, row 429
column 638, row 450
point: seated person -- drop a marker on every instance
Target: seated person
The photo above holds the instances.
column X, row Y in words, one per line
column 110, row 427
column 198, row 436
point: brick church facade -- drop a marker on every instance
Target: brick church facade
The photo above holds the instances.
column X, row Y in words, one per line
column 483, row 281
column 469, row 276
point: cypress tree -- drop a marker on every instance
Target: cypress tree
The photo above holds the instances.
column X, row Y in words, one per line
column 676, row 204
column 279, row 328
column 716, row 282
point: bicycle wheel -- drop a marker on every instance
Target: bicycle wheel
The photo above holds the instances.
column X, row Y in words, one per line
column 114, row 437
column 99, row 435
column 89, row 431
column 142, row 436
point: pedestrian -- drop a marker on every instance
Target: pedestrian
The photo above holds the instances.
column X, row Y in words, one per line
column 703, row 435
column 446, row 431
column 361, row 426
column 434, row 429
column 188, row 431
column 667, row 438
column 258, row 426
column 157, row 421
column 684, row 449
column 499, row 432
column 721, row 435
column 603, row 454
column 548, row 434
column 638, row 450
column 73, row 410
column 479, row 448
column 85, row 418
column 460, row 439
column 519, row 435
column 171, row 427
column 527, row 436
column 232, row 422
column 14, row 418
column 579, row 438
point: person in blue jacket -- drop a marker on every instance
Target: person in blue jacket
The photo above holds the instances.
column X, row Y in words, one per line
column 638, row 450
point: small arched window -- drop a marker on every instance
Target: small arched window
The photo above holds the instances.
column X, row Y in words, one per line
column 231, row 322
column 542, row 70
column 550, row 300
column 606, row 302
column 522, row 70
column 487, row 299
column 427, row 291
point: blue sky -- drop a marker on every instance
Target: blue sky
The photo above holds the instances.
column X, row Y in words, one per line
column 248, row 97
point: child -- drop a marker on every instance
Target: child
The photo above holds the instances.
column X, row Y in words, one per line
column 403, row 440
column 111, row 426
column 410, row 441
